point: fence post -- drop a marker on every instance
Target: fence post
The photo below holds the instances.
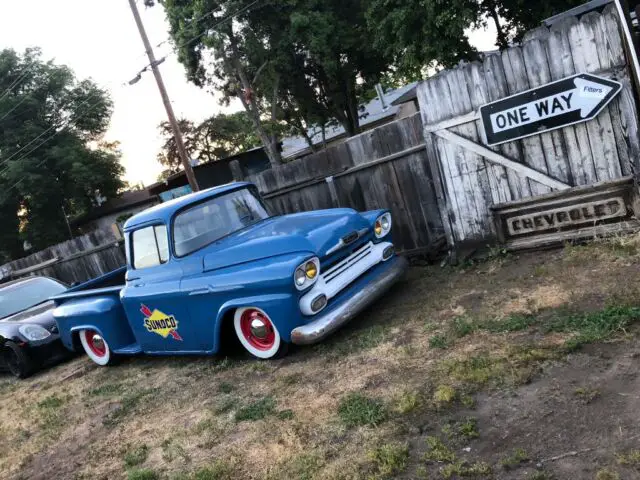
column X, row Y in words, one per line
column 332, row 190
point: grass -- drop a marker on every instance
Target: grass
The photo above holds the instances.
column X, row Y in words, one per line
column 219, row 470
column 407, row 402
column 107, row 390
column 438, row 341
column 438, row 452
column 226, row 387
column 360, row 340
column 462, row 326
column 137, row 456
column 586, row 394
column 511, row 323
column 629, row 459
column 464, row 469
column 172, row 450
column 256, row 410
column 444, row 395
column 515, row 459
column 607, row 474
column 462, row 431
column 128, row 404
column 53, row 402
column 143, row 474
column 304, row 466
column 390, row 459
column 286, row 414
column 356, row 409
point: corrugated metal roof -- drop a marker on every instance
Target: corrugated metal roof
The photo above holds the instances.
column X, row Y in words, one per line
column 373, row 112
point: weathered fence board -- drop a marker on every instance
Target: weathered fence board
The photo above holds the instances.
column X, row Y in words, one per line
column 387, row 167
column 77, row 260
column 474, row 177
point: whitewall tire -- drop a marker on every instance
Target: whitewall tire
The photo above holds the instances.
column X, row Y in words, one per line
column 96, row 347
column 257, row 333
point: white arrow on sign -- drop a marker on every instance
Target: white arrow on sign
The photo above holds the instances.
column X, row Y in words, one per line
column 586, row 97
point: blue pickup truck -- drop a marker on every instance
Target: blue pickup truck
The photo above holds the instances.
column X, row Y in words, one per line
column 215, row 264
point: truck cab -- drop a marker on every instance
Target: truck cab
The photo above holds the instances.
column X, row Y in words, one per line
column 219, row 258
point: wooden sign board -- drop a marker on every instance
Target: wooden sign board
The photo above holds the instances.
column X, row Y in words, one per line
column 564, row 215
column 555, row 105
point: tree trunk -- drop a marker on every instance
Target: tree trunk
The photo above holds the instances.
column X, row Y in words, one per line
column 503, row 41
column 251, row 106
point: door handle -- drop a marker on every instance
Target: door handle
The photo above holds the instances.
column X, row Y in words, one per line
column 136, row 285
column 200, row 291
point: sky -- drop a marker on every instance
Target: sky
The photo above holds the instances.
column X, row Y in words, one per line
column 99, row 39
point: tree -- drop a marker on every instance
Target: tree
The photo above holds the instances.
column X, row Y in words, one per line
column 296, row 62
column 51, row 154
column 419, row 34
column 215, row 138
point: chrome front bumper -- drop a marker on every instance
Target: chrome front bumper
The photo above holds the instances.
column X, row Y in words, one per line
column 325, row 324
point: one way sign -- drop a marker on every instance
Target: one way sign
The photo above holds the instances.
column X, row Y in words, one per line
column 554, row 105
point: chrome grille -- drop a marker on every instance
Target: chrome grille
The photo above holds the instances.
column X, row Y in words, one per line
column 347, row 263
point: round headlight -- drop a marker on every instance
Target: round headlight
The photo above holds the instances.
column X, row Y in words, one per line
column 382, row 225
column 300, row 277
column 310, row 270
column 384, row 221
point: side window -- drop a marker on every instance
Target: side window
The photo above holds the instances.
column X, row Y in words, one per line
column 150, row 246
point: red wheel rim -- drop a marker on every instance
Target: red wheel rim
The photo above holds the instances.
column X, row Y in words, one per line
column 99, row 348
column 263, row 340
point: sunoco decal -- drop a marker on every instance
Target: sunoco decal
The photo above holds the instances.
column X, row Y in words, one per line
column 157, row 322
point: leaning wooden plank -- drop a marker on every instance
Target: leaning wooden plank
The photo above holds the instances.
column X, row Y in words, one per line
column 535, row 57
column 517, row 80
column 453, row 122
column 585, row 58
column 497, row 158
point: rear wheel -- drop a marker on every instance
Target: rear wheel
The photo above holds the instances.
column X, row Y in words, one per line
column 96, row 347
column 257, row 333
column 17, row 360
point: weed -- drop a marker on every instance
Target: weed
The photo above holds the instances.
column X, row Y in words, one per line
column 128, row 405
column 431, row 327
column 463, row 326
column 291, row 379
column 52, row 402
column 256, row 410
column 357, row 341
column 143, row 474
column 444, row 395
column 517, row 457
column 607, row 474
column 462, row 431
column 438, row 341
column 136, row 456
column 225, row 406
column 468, row 401
column 512, row 323
column 539, row 475
column 285, row 414
column 390, row 459
column 438, row 451
column 407, row 402
column 219, row 470
column 629, row 459
column 202, row 426
column 107, row 390
column 463, row 469
column 540, row 271
column 587, row 395
column 594, row 326
column 355, row 409
column 226, row 387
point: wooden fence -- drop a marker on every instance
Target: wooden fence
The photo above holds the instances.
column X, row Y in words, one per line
column 475, row 177
column 77, row 260
column 383, row 168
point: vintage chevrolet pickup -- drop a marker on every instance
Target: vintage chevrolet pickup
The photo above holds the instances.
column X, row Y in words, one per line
column 216, row 262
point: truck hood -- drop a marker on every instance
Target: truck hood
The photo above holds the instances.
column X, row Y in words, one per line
column 312, row 232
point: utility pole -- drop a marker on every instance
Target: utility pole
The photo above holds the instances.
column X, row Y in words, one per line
column 182, row 151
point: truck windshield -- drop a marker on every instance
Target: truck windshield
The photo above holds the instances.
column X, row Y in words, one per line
column 15, row 298
column 209, row 221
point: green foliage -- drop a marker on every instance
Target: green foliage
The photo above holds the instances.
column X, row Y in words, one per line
column 607, row 474
column 256, row 410
column 42, row 173
column 390, row 459
column 52, row 402
column 438, row 341
column 217, row 137
column 128, row 405
column 143, row 474
column 437, row 451
column 464, row 469
column 219, row 470
column 106, row 390
column 136, row 456
column 407, row 402
column 629, row 459
column 226, row 387
column 516, row 457
column 355, row 409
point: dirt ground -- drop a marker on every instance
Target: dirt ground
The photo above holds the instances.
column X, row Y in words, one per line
column 519, row 367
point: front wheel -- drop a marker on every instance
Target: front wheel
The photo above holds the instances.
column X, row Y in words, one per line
column 17, row 360
column 257, row 333
column 96, row 347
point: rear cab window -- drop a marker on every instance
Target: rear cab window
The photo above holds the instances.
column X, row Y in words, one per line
column 150, row 246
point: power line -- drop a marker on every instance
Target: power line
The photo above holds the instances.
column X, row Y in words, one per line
column 17, row 81
column 24, row 97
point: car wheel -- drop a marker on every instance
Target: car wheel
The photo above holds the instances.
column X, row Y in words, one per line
column 17, row 360
column 257, row 333
column 96, row 347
